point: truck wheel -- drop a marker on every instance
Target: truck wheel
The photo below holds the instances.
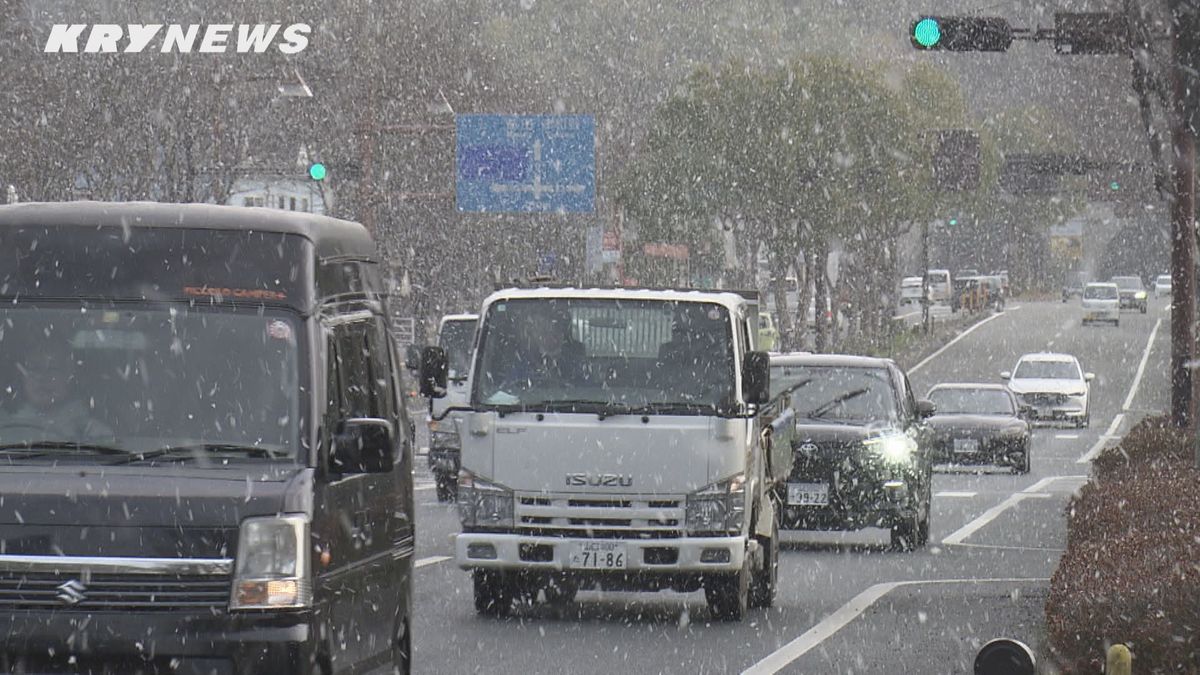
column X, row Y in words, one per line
column 764, row 582
column 728, row 596
column 493, row 593
column 447, row 488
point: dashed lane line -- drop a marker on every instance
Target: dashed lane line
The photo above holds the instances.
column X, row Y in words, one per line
column 431, row 560
column 785, row 655
column 952, row 493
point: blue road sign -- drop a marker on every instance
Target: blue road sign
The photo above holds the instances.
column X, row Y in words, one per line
column 526, row 163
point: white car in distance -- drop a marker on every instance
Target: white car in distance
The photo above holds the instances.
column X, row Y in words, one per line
column 1101, row 302
column 1162, row 285
column 1052, row 387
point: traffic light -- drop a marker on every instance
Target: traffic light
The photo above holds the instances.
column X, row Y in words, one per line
column 317, row 171
column 953, row 222
column 1091, row 33
column 961, row 33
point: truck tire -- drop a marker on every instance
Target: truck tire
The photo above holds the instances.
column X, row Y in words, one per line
column 447, row 488
column 493, row 593
column 728, row 595
column 765, row 581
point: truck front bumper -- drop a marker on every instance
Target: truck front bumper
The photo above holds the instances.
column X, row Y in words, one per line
column 503, row 551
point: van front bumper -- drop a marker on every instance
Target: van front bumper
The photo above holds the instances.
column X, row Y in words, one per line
column 481, row 550
column 159, row 642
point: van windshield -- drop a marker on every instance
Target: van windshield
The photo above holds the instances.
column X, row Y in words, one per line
column 1100, row 293
column 127, row 382
column 576, row 354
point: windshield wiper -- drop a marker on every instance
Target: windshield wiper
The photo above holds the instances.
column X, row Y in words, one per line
column 253, row 451
column 41, row 448
column 819, row 412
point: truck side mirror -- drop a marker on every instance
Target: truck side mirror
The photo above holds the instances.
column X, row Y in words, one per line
column 435, row 370
column 756, row 378
column 362, row 445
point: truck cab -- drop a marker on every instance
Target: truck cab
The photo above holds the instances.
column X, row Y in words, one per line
column 456, row 337
column 622, row 440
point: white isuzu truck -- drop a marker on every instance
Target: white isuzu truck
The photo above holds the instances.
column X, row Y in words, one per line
column 619, row 439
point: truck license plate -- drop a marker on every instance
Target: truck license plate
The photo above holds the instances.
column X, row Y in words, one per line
column 598, row 555
column 966, row 445
column 808, row 494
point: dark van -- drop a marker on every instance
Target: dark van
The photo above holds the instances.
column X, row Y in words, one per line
column 201, row 468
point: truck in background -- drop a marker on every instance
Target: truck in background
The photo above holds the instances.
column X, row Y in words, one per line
column 456, row 337
column 619, row 439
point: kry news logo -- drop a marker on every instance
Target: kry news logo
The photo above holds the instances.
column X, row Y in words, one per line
column 108, row 38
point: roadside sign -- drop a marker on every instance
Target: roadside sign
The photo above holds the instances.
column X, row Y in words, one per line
column 404, row 330
column 525, row 163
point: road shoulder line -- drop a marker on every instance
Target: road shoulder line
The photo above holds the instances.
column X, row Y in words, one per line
column 785, row 655
column 958, row 337
column 431, row 560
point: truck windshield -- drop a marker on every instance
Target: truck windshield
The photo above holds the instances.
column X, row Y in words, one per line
column 457, row 338
column 576, row 354
column 167, row 381
column 857, row 395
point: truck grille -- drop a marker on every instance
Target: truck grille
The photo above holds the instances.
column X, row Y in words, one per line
column 600, row 517
column 109, row 592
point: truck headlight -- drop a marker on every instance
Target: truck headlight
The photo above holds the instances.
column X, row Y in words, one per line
column 892, row 448
column 718, row 508
column 482, row 502
column 1140, row 295
column 273, row 564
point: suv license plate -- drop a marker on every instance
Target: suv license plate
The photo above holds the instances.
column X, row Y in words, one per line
column 808, row 494
column 598, row 555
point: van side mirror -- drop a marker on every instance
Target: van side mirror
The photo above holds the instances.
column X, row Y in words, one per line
column 435, row 370
column 362, row 445
column 756, row 378
column 1006, row 375
column 925, row 409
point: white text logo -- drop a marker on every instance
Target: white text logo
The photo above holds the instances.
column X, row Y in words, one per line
column 110, row 38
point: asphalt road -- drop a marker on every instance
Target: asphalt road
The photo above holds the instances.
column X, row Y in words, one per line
column 846, row 604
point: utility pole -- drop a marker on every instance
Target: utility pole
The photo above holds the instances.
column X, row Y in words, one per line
column 1183, row 232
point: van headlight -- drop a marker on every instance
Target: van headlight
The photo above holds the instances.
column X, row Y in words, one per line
column 717, row 508
column 273, row 564
column 483, row 503
column 892, row 448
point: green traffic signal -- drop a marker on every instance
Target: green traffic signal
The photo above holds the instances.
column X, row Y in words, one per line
column 1114, row 186
column 927, row 32
column 953, row 221
column 316, row 171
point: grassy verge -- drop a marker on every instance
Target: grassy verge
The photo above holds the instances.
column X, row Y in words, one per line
column 1131, row 571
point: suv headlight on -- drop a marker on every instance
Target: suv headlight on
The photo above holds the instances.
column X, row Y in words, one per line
column 718, row 508
column 273, row 564
column 892, row 448
column 483, row 503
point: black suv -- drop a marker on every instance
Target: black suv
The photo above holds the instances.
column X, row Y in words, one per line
column 862, row 450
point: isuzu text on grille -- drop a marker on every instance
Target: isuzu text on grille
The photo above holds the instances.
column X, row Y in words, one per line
column 212, row 39
column 602, row 480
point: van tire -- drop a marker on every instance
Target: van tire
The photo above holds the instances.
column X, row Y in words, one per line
column 728, row 595
column 493, row 593
column 764, row 582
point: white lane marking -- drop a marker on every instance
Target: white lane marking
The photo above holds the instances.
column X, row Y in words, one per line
column 427, row 486
column 1069, row 437
column 785, row 655
column 1141, row 369
column 988, row 516
column 905, row 316
column 951, row 493
column 1102, row 441
column 1038, row 486
column 431, row 560
column 958, row 337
